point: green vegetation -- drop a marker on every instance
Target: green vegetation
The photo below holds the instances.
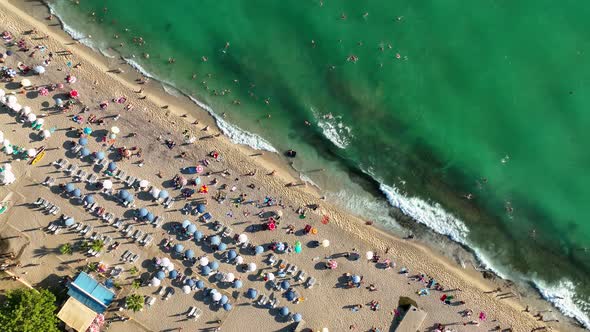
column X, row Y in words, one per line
column 28, row 310
column 134, row 302
column 135, row 284
column 66, row 249
column 133, row 270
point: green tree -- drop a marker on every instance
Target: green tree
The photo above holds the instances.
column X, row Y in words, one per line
column 133, row 270
column 135, row 284
column 134, row 302
column 66, row 249
column 97, row 245
column 27, row 309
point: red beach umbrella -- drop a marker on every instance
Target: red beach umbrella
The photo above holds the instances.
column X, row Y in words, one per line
column 74, row 94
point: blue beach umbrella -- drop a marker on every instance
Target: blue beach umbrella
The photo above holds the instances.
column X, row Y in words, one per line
column 259, row 250
column 69, row 222
column 356, row 279
column 285, row 284
column 251, row 293
column 284, row 311
column 124, row 194
column 190, row 282
column 215, row 240
column 150, row 217
column 163, row 194
column 200, row 284
column 214, row 265
column 198, row 235
column 83, row 141
column 191, row 229
column 227, row 307
column 77, row 193
column 85, row 152
column 297, row 317
column 290, row 295
column 142, row 212
column 87, row 130
column 100, row 155
column 70, row 187
column 231, row 254
column 89, row 199
column 161, row 275
column 173, row 274
column 186, row 223
column 237, row 284
column 201, row 208
column 178, row 248
column 189, row 254
column 112, row 166
column 222, row 246
column 224, row 299
column 205, row 270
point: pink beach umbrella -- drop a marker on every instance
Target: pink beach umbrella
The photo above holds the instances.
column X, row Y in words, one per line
column 44, row 92
column 482, row 316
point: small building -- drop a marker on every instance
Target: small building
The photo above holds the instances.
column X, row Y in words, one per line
column 411, row 320
column 87, row 299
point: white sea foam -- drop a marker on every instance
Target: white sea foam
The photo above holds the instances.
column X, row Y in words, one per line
column 77, row 35
column 139, row 68
column 169, row 89
column 563, row 296
column 334, row 129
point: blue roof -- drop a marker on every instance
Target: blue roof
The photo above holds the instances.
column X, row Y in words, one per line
column 91, row 293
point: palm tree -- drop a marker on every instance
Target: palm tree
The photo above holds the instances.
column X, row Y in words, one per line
column 97, row 245
column 66, row 249
column 134, row 302
column 135, row 284
column 133, row 270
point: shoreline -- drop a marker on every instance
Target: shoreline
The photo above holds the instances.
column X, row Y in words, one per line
column 268, row 159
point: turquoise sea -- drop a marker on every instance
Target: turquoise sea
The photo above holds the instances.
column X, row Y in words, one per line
column 415, row 104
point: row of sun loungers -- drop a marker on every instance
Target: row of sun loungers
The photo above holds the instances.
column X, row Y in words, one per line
column 130, row 257
column 291, row 269
column 47, row 206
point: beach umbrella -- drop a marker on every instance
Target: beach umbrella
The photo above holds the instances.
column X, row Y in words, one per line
column 222, row 246
column 26, row 110
column 130, row 199
column 297, row 317
column 285, row 284
column 251, row 293
column 17, row 107
column 242, row 238
column 71, row 79
column 59, row 101
column 186, row 223
column 112, row 166
column 270, row 276
column 70, row 187
column 251, row 267
column 123, row 194
column 44, row 92
column 39, row 123
column 203, row 261
column 170, row 267
column 77, row 193
column 191, row 229
column 84, row 152
column 224, row 299
column 165, row 261
column 200, row 284
column 155, row 282
column 332, row 264
column 280, row 246
column 144, row 183
column 160, row 275
column 74, row 94
column 189, row 254
column 216, row 296
column 25, row 83
column 198, row 235
column 284, row 311
column 163, row 194
column 369, row 255
column 237, row 284
column 259, row 250
column 115, row 130
column 89, row 199
column 205, row 270
column 186, row 289
column 227, row 307
column 87, row 130
column 6, row 143
column 214, row 265
column 107, row 184
column 155, row 192
column 31, row 117
column 190, row 282
column 99, row 155
column 69, row 222
column 11, row 100
column 356, row 279
column 290, row 295
column 142, row 212
column 325, row 243
column 9, row 52
column 178, row 248
column 229, row 277
column 83, row 141
column 173, row 274
column 298, row 247
column 39, row 70
column 232, row 254
column 215, row 240
column 197, row 181
column 201, row 208
column 46, row 133
column 9, row 150
column 239, row 260
column 150, row 217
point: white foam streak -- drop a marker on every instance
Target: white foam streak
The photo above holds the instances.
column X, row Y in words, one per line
column 563, row 296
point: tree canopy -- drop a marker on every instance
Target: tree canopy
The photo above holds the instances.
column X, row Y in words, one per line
column 28, row 310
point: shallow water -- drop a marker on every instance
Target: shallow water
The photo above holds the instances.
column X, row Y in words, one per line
column 446, row 98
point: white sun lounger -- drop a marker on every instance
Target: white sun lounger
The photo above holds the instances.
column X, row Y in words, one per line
column 310, row 282
column 61, row 163
column 92, row 178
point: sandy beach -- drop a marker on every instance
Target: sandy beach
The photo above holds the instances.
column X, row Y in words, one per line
column 160, row 134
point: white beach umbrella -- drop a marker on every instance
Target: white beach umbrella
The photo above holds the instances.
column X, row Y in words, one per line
column 144, row 183
column 170, row 267
column 11, row 100
column 25, row 83
column 9, row 150
column 7, row 177
column 325, row 243
column 107, row 184
column 6, row 143
column 242, row 238
column 155, row 282
column 31, row 152
column 26, row 110
column 369, row 255
column 115, row 130
column 40, row 121
column 31, row 117
column 270, row 276
column 7, row 167
column 217, row 296
column 186, row 289
column 2, row 93
column 239, row 260
column 229, row 277
column 251, row 267
column 39, row 70
column 46, row 133
column 16, row 107
column 155, row 192
column 165, row 261
column 203, row 261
